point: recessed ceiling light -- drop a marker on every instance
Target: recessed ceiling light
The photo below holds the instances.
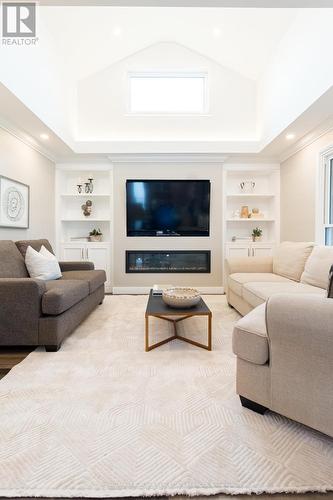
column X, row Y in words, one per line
column 117, row 31
column 45, row 137
column 289, row 137
column 216, row 32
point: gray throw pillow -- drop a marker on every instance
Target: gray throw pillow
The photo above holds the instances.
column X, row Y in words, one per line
column 330, row 284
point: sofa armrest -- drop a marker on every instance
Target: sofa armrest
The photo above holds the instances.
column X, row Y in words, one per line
column 76, row 266
column 20, row 310
column 247, row 265
column 300, row 332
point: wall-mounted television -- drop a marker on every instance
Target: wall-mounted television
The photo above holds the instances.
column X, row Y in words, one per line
column 167, row 207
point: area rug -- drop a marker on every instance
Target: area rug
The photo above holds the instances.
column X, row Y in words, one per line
column 102, row 418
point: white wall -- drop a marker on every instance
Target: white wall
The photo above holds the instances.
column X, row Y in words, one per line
column 22, row 163
column 298, row 191
column 41, row 78
column 299, row 72
column 123, row 243
column 103, row 101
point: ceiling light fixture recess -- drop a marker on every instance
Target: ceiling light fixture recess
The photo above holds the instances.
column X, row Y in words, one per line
column 45, row 137
column 289, row 137
column 117, row 31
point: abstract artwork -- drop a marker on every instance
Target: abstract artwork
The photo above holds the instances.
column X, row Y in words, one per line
column 14, row 203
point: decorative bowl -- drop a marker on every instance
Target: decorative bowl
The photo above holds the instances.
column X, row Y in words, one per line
column 181, row 298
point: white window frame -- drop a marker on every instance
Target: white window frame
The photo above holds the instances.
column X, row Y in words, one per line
column 323, row 195
column 169, row 74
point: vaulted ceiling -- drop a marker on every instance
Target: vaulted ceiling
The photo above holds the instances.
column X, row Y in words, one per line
column 93, row 38
column 270, row 72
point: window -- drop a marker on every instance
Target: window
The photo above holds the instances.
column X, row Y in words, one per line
column 326, row 201
column 167, row 93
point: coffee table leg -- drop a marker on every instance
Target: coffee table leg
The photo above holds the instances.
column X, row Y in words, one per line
column 147, row 333
column 210, row 332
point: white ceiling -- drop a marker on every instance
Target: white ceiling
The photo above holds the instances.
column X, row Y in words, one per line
column 93, row 38
column 279, row 53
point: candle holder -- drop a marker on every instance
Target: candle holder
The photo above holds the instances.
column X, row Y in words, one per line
column 91, row 185
column 86, row 187
column 79, row 188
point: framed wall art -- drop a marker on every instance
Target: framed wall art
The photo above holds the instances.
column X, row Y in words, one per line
column 14, row 203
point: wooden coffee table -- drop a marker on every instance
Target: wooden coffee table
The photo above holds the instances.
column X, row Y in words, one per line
column 158, row 309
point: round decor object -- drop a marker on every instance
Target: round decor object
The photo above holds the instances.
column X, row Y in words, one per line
column 181, row 298
column 13, row 204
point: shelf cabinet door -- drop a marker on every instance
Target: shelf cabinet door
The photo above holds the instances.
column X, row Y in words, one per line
column 238, row 251
column 72, row 252
column 262, row 251
column 99, row 256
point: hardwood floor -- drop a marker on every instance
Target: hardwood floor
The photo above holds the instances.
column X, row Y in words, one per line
column 11, row 356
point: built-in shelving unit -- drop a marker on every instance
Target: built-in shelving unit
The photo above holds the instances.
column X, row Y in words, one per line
column 72, row 227
column 264, row 195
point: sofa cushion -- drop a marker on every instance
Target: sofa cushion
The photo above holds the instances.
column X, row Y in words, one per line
column 257, row 293
column 23, row 245
column 42, row 265
column 95, row 279
column 290, row 257
column 249, row 340
column 317, row 267
column 61, row 295
column 11, row 261
column 237, row 280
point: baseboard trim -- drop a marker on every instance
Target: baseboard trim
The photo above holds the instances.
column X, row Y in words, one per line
column 144, row 290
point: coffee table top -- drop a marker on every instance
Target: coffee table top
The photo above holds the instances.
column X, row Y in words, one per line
column 156, row 306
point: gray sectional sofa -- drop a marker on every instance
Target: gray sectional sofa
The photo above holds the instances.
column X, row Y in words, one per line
column 35, row 312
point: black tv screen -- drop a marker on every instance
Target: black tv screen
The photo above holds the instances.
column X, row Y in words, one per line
column 168, row 207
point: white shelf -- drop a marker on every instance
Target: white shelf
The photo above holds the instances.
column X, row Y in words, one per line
column 250, row 195
column 83, row 242
column 86, row 220
column 85, row 195
column 251, row 219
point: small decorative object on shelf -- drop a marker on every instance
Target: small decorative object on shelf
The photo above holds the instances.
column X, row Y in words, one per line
column 96, row 235
column 236, row 214
column 180, row 298
column 256, row 214
column 244, row 213
column 91, row 185
column 247, row 186
column 87, row 208
column 256, row 234
column 87, row 187
column 79, row 185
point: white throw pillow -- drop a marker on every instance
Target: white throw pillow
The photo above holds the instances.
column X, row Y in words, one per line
column 318, row 267
column 290, row 257
column 42, row 265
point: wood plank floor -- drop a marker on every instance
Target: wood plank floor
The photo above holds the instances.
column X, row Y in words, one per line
column 11, row 356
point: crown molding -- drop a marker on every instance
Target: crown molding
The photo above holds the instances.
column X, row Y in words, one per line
column 307, row 140
column 26, row 139
column 168, row 158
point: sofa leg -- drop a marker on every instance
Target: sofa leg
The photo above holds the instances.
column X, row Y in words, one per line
column 52, row 348
column 252, row 405
column 232, row 307
column 101, row 302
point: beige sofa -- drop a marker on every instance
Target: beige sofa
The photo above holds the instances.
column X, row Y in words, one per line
column 284, row 343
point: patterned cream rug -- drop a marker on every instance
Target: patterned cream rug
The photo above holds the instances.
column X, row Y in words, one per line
column 102, row 418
